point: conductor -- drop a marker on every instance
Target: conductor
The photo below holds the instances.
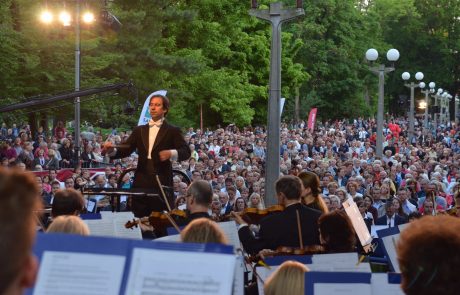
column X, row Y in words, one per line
column 157, row 143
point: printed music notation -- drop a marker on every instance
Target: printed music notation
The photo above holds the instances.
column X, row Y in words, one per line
column 180, row 273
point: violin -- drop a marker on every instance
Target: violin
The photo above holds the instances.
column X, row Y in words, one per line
column 254, row 215
column 158, row 220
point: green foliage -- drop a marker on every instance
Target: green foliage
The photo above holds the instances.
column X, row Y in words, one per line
column 213, row 57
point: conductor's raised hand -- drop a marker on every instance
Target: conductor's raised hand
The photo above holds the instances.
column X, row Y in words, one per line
column 165, row 155
column 108, row 148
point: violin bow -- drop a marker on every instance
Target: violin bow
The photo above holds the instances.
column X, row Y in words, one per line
column 163, row 192
column 172, row 221
column 299, row 228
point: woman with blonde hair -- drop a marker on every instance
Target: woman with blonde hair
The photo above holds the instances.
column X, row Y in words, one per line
column 255, row 201
column 203, row 230
column 311, row 191
column 289, row 278
column 69, row 224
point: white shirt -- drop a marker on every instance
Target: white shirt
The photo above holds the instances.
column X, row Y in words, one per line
column 153, row 132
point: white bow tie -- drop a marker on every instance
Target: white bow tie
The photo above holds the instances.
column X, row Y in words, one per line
column 155, row 123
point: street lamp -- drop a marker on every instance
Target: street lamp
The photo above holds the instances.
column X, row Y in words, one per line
column 380, row 71
column 436, row 96
column 445, row 114
column 276, row 16
column 422, row 85
column 66, row 19
column 412, row 86
column 457, row 100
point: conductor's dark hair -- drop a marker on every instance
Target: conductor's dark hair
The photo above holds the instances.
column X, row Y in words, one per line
column 201, row 190
column 165, row 100
column 290, row 186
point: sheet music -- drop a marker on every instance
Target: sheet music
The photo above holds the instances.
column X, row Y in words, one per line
column 403, row 226
column 375, row 228
column 358, row 222
column 62, row 273
column 231, row 232
column 180, row 273
column 264, row 273
column 341, row 289
column 238, row 279
column 112, row 224
column 380, row 285
column 389, row 242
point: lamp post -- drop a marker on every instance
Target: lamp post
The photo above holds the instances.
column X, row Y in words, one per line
column 457, row 100
column 437, row 96
column 412, row 86
column 426, row 92
column 445, row 114
column 380, row 71
column 276, row 16
column 66, row 19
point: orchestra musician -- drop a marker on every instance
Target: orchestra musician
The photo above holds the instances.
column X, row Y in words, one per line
column 281, row 229
column 198, row 199
column 157, row 143
column 19, row 198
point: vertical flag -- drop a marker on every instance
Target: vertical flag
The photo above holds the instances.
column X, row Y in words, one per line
column 312, row 119
column 145, row 114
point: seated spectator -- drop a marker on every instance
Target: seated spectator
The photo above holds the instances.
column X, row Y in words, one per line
column 68, row 224
column 428, row 254
column 203, row 230
column 289, row 278
column 19, row 198
column 179, row 202
column 335, row 203
column 336, row 232
column 391, row 219
column 240, row 205
column 255, row 201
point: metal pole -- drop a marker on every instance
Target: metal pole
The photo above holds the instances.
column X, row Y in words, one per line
column 435, row 114
column 412, row 86
column 380, row 109
column 425, row 119
column 276, row 15
column 77, row 83
column 456, row 100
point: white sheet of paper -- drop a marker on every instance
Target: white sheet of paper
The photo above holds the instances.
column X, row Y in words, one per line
column 335, row 258
column 83, row 273
column 238, row 279
column 389, row 242
column 165, row 272
column 380, row 285
column 403, row 226
column 171, row 238
column 375, row 228
column 264, row 273
column 112, row 224
column 231, row 231
column 341, row 289
column 358, row 222
column 90, row 205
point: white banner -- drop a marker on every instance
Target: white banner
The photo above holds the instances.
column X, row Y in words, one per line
column 145, row 114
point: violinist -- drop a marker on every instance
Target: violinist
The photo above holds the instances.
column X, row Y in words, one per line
column 198, row 199
column 281, row 229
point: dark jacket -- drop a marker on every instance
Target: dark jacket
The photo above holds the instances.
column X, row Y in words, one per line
column 280, row 229
column 168, row 138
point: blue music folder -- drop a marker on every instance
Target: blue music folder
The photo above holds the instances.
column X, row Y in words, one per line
column 344, row 279
column 390, row 248
column 278, row 260
column 80, row 262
